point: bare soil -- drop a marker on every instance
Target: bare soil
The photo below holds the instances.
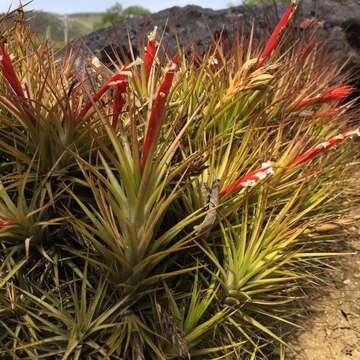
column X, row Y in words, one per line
column 332, row 331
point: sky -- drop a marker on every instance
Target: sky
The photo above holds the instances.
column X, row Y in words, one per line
column 74, row 6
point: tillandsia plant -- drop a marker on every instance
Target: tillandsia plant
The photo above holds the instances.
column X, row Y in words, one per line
column 168, row 207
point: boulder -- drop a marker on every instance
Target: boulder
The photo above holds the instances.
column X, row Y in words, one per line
column 196, row 26
column 189, row 25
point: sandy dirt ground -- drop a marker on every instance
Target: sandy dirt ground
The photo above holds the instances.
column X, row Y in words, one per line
column 332, row 330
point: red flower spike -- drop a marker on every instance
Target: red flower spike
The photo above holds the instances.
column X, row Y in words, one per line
column 150, row 52
column 115, row 78
column 158, row 112
column 250, row 179
column 335, row 94
column 119, row 101
column 308, row 155
column 9, row 72
column 275, row 36
column 338, row 93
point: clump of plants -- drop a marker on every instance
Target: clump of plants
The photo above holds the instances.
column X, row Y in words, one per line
column 171, row 207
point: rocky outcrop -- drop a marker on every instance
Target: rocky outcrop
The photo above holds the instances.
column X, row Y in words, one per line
column 193, row 25
column 340, row 20
column 190, row 25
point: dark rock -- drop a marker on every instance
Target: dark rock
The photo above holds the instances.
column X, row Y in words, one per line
column 190, row 25
column 196, row 26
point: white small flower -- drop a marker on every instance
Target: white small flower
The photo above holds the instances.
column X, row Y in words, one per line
column 266, row 164
column 173, row 66
column 266, row 169
column 117, row 82
column 352, row 133
column 96, row 62
column 152, row 35
column 248, row 183
column 270, row 170
column 323, row 145
column 213, row 60
column 261, row 175
column 138, row 61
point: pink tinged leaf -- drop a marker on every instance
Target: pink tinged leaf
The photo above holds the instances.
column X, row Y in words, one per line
column 308, row 49
column 308, row 155
column 222, row 47
column 5, row 223
column 158, row 112
column 150, row 53
column 275, row 36
column 119, row 101
column 329, row 112
column 250, row 179
column 118, row 77
column 309, row 23
column 335, row 94
column 9, row 72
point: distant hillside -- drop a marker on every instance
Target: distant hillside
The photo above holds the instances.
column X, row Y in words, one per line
column 87, row 20
column 60, row 28
column 53, row 25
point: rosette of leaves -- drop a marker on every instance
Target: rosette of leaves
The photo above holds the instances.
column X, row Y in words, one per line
column 168, row 208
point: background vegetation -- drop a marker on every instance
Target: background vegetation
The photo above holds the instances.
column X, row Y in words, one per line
column 117, row 14
column 53, row 26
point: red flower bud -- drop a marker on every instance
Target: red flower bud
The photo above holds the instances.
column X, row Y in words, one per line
column 158, row 112
column 308, row 155
column 9, row 72
column 275, row 36
column 118, row 77
column 338, row 93
column 150, row 52
column 119, row 101
column 250, row 179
